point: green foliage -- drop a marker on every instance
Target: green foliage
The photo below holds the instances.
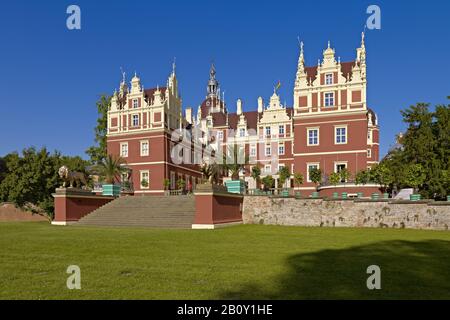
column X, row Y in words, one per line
column 284, row 174
column 144, row 183
column 110, row 169
column 30, row 179
column 2, row 169
column 415, row 175
column 181, row 183
column 298, row 178
column 235, row 160
column 382, row 174
column 315, row 175
column 166, row 183
column 335, row 178
column 98, row 152
column 256, row 173
column 425, row 142
column 268, row 182
column 362, row 177
column 345, row 174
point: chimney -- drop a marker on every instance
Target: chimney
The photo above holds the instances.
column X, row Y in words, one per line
column 260, row 104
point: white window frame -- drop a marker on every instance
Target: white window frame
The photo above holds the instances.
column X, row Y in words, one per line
column 369, row 153
column 122, row 153
column 220, row 135
column 281, row 144
column 318, row 136
column 317, row 164
column 135, row 103
column 173, row 180
column 132, row 120
column 143, row 153
column 241, row 132
column 253, row 152
column 369, row 135
column 268, row 147
column 336, row 134
column 141, row 176
column 268, row 171
column 328, row 99
column 327, row 77
column 281, row 130
column 268, row 128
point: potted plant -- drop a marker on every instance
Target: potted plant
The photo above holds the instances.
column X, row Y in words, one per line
column 255, row 174
column 415, row 176
column 284, row 174
column 166, row 183
column 335, row 178
column 144, row 183
column 362, row 177
column 268, row 182
column 235, row 161
column 298, row 180
column 315, row 175
column 382, row 175
column 110, row 169
column 181, row 184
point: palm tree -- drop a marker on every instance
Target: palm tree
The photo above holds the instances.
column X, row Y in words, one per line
column 233, row 160
column 111, row 168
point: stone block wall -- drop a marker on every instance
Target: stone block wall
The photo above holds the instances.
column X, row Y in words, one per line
column 346, row 213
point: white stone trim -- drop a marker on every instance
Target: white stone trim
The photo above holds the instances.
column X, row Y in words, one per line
column 215, row 226
column 63, row 223
column 331, row 152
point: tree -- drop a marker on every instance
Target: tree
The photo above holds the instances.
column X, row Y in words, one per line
column 30, row 179
column 415, row 176
column 298, row 179
column 362, row 177
column 344, row 174
column 256, row 173
column 335, row 178
column 2, row 169
column 110, row 169
column 98, row 152
column 382, row 175
column 181, row 183
column 235, row 160
column 315, row 175
column 283, row 174
column 268, row 182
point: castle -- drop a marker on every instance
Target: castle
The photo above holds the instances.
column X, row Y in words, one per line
column 329, row 127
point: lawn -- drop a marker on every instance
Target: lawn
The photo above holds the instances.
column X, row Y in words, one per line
column 242, row 262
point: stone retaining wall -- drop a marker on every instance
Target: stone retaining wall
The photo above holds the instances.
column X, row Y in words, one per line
column 346, row 213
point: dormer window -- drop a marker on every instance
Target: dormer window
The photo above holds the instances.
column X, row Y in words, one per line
column 135, row 103
column 242, row 132
column 329, row 78
column 329, row 99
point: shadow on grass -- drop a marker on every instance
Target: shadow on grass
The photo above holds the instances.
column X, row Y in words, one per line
column 409, row 270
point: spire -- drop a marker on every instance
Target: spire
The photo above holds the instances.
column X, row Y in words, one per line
column 174, row 65
column 301, row 59
column 213, row 84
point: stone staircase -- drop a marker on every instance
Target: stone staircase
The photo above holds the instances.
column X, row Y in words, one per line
column 144, row 211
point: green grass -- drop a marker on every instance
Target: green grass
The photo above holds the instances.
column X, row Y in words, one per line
column 243, row 262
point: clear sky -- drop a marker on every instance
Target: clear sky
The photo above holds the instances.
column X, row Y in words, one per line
column 51, row 77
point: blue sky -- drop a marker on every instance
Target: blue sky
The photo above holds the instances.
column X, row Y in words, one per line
column 51, row 77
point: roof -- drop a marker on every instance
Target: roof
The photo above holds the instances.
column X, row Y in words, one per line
column 210, row 103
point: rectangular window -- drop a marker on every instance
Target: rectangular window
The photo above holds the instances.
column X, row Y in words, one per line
column 145, row 181
column 135, row 120
column 311, row 166
column 369, row 153
column 329, row 78
column 369, row 135
column 338, row 167
column 313, row 137
column 268, row 132
column 281, row 149
column 242, row 132
column 220, row 135
column 329, row 99
column 268, row 150
column 253, row 150
column 281, row 130
column 124, row 149
column 341, row 135
column 144, row 148
column 267, row 168
column 135, row 103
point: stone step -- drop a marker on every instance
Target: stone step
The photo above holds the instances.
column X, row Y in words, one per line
column 145, row 211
